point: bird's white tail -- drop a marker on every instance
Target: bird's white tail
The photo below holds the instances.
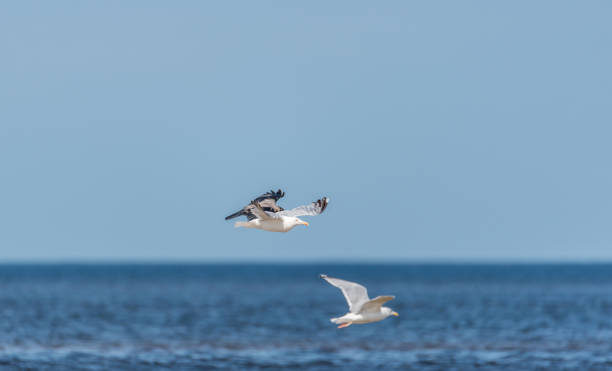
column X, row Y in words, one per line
column 241, row 224
column 337, row 321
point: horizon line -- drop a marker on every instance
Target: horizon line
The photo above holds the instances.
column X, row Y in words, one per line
column 111, row 261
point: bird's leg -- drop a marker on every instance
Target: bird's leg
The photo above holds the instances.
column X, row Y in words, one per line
column 347, row 324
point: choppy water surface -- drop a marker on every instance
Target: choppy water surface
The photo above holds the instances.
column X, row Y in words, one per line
column 276, row 316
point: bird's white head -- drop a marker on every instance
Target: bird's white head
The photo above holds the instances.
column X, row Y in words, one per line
column 388, row 312
column 291, row 221
column 299, row 221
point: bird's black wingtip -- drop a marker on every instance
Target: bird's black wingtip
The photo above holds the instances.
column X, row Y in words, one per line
column 322, row 203
column 236, row 214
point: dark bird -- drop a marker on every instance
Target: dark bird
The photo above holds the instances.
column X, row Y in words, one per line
column 267, row 201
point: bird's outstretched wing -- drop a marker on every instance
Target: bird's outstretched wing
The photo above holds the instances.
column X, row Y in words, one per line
column 375, row 304
column 267, row 202
column 314, row 208
column 355, row 294
column 271, row 195
column 259, row 212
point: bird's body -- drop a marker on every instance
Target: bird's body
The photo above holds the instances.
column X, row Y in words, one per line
column 273, row 218
column 361, row 318
column 281, row 224
column 362, row 309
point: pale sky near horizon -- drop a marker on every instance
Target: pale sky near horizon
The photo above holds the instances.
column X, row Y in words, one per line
column 440, row 130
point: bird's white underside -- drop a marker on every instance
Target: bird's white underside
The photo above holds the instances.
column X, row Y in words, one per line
column 280, row 224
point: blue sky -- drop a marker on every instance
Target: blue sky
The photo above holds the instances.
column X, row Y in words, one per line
column 445, row 130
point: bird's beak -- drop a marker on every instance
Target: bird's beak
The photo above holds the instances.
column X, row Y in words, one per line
column 305, row 223
column 395, row 314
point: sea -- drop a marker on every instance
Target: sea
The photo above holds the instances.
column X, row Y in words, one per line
column 276, row 316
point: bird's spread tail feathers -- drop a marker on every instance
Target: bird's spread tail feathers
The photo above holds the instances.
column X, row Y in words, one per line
column 337, row 321
column 241, row 224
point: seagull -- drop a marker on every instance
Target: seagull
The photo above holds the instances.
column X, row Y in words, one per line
column 283, row 220
column 267, row 202
column 361, row 308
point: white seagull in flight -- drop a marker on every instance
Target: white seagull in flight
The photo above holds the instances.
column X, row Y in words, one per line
column 361, row 308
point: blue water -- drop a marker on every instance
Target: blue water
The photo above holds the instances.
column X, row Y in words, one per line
column 462, row 317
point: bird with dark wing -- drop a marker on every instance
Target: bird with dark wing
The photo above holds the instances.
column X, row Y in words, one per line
column 278, row 221
column 267, row 201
